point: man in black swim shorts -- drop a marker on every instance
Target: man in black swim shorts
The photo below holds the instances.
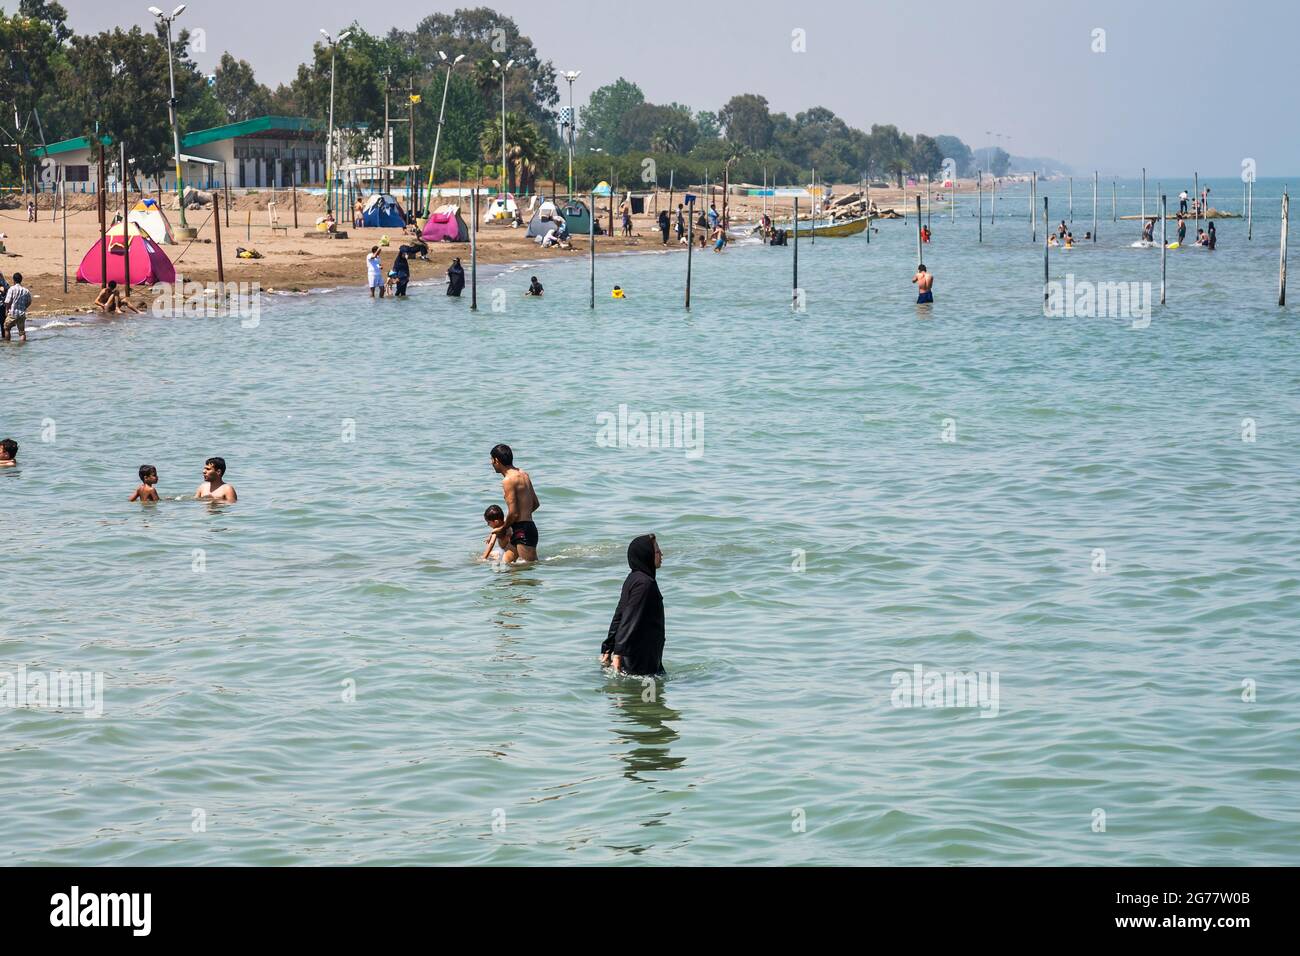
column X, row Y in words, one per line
column 521, row 502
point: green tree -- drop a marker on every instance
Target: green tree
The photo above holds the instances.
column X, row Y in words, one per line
column 237, row 91
column 49, row 13
column 709, row 124
column 600, row 121
column 927, row 158
column 747, row 121
column 961, row 155
column 526, row 150
column 29, row 55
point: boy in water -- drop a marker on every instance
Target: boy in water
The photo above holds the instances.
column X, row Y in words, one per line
column 148, row 478
column 8, row 453
column 494, row 550
column 214, row 487
column 924, row 284
column 111, row 302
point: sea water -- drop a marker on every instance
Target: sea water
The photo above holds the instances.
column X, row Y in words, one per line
column 948, row 584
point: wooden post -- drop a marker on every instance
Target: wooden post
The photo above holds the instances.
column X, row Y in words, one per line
column 126, row 218
column 248, row 225
column 1047, row 249
column 690, row 245
column 63, row 194
column 1071, row 186
column 216, row 225
column 1250, row 210
column 591, row 244
column 1094, row 206
column 1114, row 214
column 979, row 186
column 227, row 184
column 1196, row 199
column 473, row 251
column 868, row 206
column 920, row 258
column 293, row 183
column 1144, row 197
column 1033, row 206
column 794, row 301
column 1164, row 243
column 1281, row 272
column 103, row 214
column 927, row 201
column 993, row 200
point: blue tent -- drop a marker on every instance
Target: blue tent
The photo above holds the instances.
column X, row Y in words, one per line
column 383, row 211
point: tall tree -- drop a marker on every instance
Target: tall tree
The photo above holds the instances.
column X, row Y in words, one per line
column 601, row 120
column 526, row 150
column 747, row 121
column 961, row 155
column 237, row 90
column 927, row 158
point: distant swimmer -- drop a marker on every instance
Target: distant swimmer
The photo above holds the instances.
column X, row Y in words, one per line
column 635, row 641
column 146, row 491
column 1149, row 231
column 618, row 293
column 1182, row 227
column 1061, row 231
column 521, row 502
column 925, row 233
column 8, row 453
column 496, row 547
column 1211, row 237
column 1069, row 240
column 534, row 287
column 924, row 285
column 214, row 487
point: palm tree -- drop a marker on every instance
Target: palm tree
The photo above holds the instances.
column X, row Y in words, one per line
column 669, row 138
column 526, row 151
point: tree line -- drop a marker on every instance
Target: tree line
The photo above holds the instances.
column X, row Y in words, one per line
column 61, row 84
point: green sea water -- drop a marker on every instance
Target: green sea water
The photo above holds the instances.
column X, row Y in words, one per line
column 1102, row 517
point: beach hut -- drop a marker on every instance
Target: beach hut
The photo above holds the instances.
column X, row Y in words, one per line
column 501, row 209
column 382, row 211
column 149, row 264
column 445, row 225
column 148, row 217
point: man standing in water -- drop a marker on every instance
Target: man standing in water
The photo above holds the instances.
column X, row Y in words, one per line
column 924, row 283
column 521, row 502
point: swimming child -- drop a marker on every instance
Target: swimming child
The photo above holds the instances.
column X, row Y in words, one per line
column 8, row 453
column 617, row 293
column 1069, row 240
column 494, row 551
column 146, row 491
column 534, row 287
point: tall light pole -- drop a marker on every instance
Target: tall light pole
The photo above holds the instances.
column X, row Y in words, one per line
column 509, row 64
column 571, row 75
column 437, row 137
column 329, row 145
column 171, row 104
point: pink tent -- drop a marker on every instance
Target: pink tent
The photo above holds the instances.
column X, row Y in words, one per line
column 445, row 225
column 149, row 264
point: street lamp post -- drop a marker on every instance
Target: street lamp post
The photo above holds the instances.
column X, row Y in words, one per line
column 171, row 104
column 509, row 64
column 437, row 136
column 329, row 145
column 571, row 75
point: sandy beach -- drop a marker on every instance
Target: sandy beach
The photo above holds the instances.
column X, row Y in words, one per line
column 299, row 259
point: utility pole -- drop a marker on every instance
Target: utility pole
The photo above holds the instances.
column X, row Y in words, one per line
column 411, row 184
column 385, row 152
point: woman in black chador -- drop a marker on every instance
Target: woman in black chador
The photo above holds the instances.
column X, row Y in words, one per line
column 455, row 278
column 635, row 644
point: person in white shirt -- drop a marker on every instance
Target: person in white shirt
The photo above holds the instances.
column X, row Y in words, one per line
column 17, row 301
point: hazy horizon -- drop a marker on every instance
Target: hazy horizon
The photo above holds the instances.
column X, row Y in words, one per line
column 1050, row 95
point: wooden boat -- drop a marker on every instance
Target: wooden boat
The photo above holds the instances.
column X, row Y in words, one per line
column 829, row 230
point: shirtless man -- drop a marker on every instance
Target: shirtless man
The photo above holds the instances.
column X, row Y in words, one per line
column 214, row 487
column 521, row 502
column 924, row 283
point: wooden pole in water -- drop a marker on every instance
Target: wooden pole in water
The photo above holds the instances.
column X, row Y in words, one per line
column 1250, row 210
column 1144, row 197
column 1047, row 232
column 1281, row 274
column 952, row 200
column 979, row 187
column 1164, row 244
column 473, row 249
column 868, row 206
column 1196, row 199
column 126, row 221
column 1114, row 214
column 1071, row 199
column 216, row 223
column 293, row 183
column 690, row 243
column 927, row 201
column 920, row 259
column 993, row 201
column 794, row 301
column 591, row 248
column 1033, row 207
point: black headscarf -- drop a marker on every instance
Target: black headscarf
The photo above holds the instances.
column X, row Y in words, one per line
column 641, row 554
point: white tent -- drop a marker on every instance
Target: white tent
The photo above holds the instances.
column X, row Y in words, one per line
column 148, row 217
column 501, row 209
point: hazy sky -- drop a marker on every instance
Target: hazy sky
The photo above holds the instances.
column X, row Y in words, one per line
column 1181, row 85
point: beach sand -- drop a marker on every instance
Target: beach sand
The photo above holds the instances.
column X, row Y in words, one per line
column 300, row 259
